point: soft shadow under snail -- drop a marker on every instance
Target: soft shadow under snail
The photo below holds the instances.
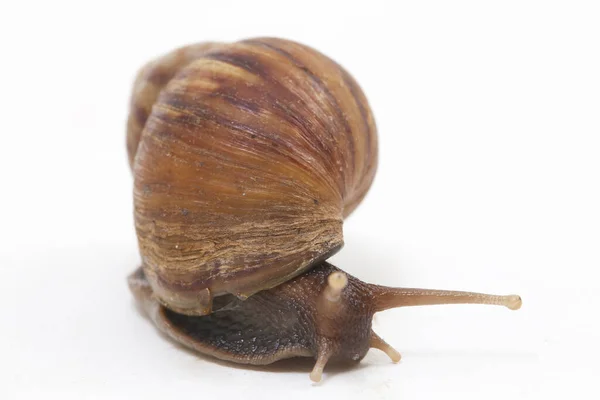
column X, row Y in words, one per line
column 246, row 158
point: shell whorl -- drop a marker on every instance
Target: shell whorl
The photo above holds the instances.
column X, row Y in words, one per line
column 246, row 158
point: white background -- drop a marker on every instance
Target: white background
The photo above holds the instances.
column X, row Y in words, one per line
column 489, row 180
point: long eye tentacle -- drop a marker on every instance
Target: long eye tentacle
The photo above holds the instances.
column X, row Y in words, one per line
column 387, row 297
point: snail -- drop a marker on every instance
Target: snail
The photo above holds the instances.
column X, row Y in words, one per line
column 247, row 157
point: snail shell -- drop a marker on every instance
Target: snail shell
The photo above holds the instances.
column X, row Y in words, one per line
column 246, row 159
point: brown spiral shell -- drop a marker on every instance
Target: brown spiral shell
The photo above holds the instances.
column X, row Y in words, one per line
column 246, row 158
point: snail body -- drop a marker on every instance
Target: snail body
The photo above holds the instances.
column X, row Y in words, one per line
column 246, row 159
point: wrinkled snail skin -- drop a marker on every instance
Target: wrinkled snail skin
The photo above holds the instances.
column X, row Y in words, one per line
column 246, row 159
column 289, row 327
column 316, row 314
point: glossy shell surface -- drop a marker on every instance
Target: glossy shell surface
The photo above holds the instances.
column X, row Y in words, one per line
column 246, row 159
